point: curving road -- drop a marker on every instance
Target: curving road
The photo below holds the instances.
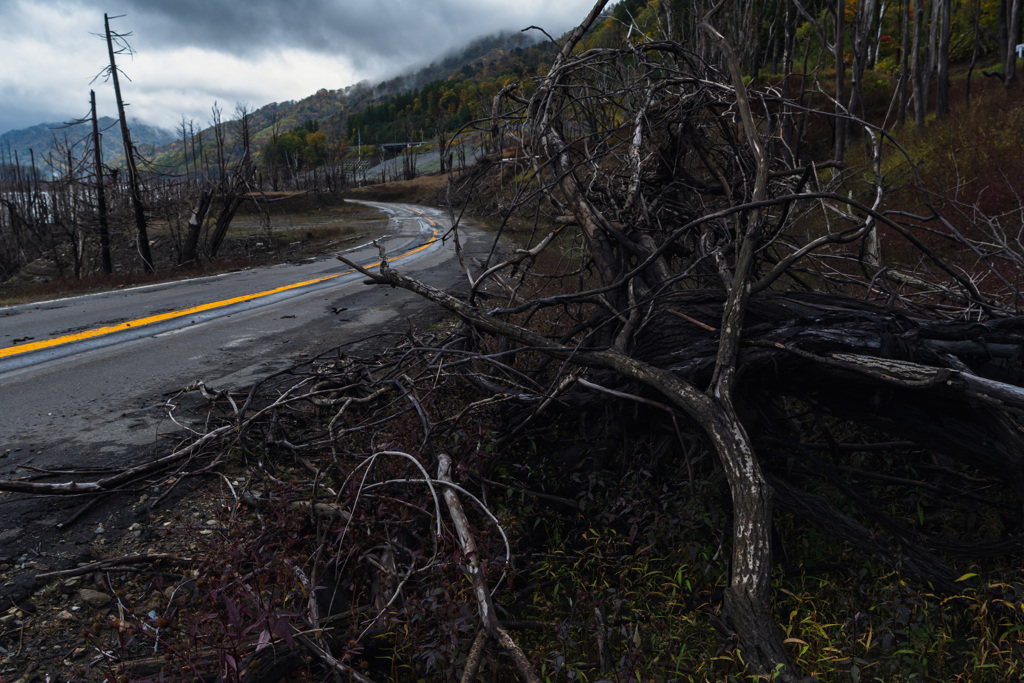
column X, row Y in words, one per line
column 81, row 378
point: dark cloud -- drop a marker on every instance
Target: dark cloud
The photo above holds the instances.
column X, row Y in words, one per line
column 367, row 32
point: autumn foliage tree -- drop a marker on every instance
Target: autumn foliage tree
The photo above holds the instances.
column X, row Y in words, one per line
column 302, row 148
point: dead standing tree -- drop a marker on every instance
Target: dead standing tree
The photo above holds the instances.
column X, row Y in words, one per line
column 721, row 286
column 101, row 195
column 236, row 188
column 231, row 188
column 111, row 71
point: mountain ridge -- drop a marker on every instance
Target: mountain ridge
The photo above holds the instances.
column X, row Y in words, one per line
column 43, row 138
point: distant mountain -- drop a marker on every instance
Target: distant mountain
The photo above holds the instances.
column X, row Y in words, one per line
column 45, row 138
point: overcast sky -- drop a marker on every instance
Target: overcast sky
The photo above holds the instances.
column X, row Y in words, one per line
column 190, row 53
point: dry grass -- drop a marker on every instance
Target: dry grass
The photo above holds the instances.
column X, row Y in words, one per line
column 423, row 190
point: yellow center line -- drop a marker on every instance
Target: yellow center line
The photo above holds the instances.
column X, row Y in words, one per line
column 109, row 329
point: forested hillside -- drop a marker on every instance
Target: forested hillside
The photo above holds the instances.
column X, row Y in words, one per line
column 450, row 103
column 489, row 58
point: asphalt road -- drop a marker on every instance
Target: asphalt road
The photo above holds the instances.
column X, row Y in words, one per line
column 83, row 379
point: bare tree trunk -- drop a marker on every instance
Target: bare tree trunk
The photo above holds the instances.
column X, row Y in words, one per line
column 920, row 97
column 931, row 51
column 68, row 214
column 838, row 53
column 275, row 166
column 976, row 11
column 184, row 147
column 195, row 226
column 244, row 136
column 861, row 50
column 232, row 202
column 1003, row 37
column 1012, row 36
column 879, row 17
column 218, row 135
column 101, row 195
column 901, row 114
column 788, row 127
column 197, row 150
column 942, row 92
column 129, row 153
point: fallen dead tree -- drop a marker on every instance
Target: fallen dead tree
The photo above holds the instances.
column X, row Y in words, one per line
column 349, row 603
column 730, row 283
